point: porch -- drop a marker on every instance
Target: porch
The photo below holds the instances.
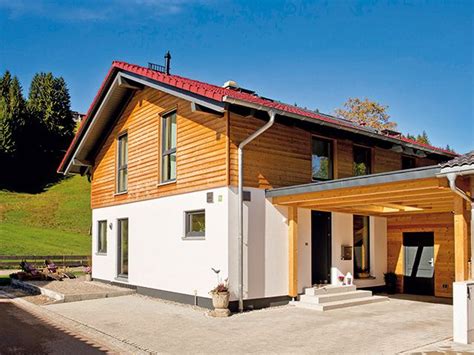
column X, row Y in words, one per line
column 412, row 213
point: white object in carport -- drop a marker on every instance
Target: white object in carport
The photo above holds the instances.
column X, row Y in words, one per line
column 463, row 312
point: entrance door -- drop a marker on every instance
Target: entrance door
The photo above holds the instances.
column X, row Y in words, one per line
column 122, row 267
column 419, row 263
column 320, row 247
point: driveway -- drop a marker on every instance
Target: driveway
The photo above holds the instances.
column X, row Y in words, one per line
column 22, row 332
column 157, row 326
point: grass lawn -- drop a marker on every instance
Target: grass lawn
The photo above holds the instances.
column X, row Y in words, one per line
column 55, row 222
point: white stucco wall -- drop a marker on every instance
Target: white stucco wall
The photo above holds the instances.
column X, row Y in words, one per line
column 158, row 256
column 265, row 246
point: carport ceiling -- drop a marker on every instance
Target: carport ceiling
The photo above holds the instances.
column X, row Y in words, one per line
column 426, row 195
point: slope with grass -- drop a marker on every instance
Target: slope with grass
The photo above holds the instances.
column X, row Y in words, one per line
column 54, row 222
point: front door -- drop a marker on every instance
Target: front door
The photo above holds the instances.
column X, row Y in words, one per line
column 419, row 263
column 320, row 247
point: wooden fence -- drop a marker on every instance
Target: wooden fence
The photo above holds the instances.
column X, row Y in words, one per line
column 13, row 261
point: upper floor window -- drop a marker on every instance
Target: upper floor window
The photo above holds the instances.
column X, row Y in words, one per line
column 408, row 162
column 122, row 163
column 362, row 160
column 322, row 159
column 168, row 147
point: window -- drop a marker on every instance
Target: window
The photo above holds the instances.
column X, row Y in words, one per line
column 362, row 160
column 122, row 163
column 102, row 237
column 361, row 246
column 195, row 224
column 168, row 147
column 122, row 247
column 322, row 163
column 408, row 162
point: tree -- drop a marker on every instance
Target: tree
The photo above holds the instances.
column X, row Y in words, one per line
column 49, row 102
column 366, row 113
column 12, row 114
column 423, row 138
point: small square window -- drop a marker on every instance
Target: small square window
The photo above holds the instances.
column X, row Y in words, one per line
column 195, row 224
column 102, row 237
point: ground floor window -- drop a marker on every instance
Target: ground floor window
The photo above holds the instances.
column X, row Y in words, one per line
column 123, row 247
column 361, row 246
column 102, row 237
column 195, row 224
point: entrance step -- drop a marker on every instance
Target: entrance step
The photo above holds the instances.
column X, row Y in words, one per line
column 316, row 291
column 341, row 304
column 334, row 297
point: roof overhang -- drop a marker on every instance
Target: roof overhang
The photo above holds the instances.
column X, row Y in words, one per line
column 345, row 126
column 112, row 98
column 409, row 191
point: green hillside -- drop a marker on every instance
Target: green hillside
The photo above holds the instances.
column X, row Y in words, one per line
column 55, row 222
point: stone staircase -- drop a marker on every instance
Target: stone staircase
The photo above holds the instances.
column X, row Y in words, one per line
column 334, row 297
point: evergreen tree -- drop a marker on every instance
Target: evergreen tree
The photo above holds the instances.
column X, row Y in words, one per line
column 12, row 114
column 50, row 105
column 423, row 138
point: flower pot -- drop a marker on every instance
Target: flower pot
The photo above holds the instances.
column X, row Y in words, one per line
column 220, row 300
column 88, row 277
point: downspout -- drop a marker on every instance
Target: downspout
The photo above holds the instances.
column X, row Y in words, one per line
column 452, row 185
column 240, row 210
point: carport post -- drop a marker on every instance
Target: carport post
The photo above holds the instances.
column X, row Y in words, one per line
column 293, row 251
column 461, row 251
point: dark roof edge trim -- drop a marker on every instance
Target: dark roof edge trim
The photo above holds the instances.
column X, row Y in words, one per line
column 357, row 130
column 357, row 181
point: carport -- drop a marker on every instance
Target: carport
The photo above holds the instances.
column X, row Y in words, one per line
column 415, row 200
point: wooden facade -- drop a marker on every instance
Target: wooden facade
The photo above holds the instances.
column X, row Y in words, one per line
column 442, row 226
column 207, row 152
column 201, row 154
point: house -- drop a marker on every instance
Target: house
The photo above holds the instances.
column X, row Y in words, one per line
column 187, row 176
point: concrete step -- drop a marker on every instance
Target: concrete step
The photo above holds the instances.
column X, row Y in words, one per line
column 313, row 291
column 341, row 304
column 333, row 297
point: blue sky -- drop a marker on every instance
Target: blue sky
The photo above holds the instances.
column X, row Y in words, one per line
column 414, row 56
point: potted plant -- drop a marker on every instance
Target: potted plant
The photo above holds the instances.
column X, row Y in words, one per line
column 220, row 298
column 88, row 272
column 390, row 282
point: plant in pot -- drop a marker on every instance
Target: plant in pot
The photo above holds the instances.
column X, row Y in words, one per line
column 220, row 298
column 88, row 272
column 390, row 282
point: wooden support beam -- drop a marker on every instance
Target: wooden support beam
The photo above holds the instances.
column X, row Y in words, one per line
column 461, row 250
column 293, row 251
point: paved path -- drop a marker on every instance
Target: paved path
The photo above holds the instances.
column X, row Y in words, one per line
column 21, row 332
column 157, row 326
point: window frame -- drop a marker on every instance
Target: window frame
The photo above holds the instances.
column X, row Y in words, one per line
column 168, row 152
column 120, row 274
column 332, row 156
column 99, row 250
column 189, row 235
column 367, row 248
column 370, row 160
column 119, row 167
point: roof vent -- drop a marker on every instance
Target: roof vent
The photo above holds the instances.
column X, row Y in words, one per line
column 231, row 84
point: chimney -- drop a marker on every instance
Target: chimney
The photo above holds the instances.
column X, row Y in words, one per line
column 167, row 63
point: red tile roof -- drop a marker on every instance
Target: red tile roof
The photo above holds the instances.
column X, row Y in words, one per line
column 218, row 93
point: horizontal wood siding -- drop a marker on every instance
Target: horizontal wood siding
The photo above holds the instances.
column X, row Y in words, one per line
column 386, row 160
column 279, row 157
column 201, row 151
column 344, row 163
column 442, row 225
